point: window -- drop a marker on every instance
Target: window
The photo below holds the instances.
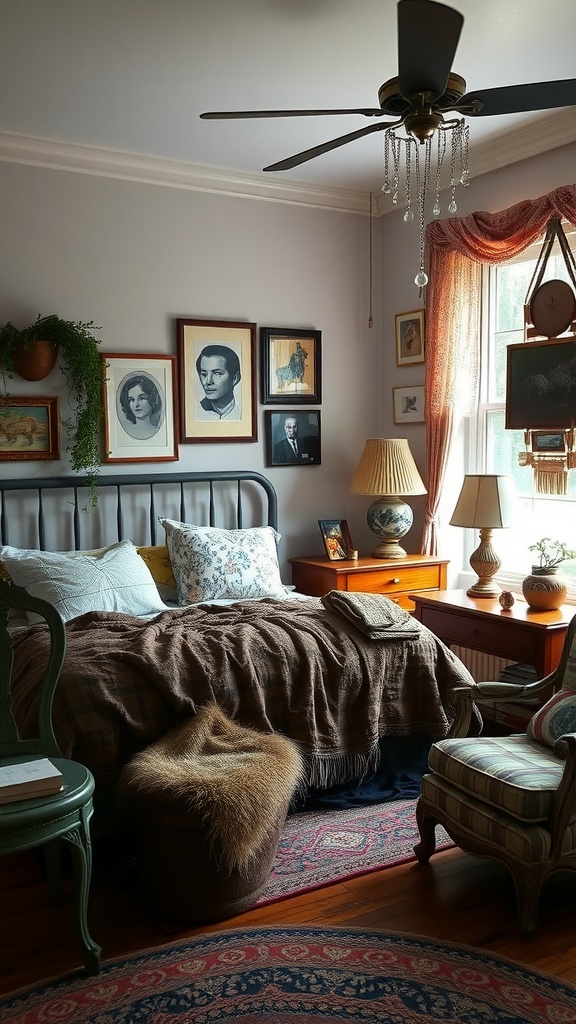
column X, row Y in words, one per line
column 492, row 448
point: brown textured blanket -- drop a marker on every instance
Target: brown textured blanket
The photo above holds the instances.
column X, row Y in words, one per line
column 292, row 667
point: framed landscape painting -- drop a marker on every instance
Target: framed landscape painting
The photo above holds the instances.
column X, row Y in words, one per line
column 29, row 429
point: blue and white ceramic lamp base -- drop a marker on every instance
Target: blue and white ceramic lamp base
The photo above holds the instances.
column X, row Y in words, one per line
column 390, row 519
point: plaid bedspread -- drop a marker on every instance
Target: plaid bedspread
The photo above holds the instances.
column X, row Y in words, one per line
column 292, row 667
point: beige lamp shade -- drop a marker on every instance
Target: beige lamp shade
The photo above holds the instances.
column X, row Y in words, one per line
column 387, row 468
column 487, row 502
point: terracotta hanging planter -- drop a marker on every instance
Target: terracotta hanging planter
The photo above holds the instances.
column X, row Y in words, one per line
column 544, row 589
column 34, row 360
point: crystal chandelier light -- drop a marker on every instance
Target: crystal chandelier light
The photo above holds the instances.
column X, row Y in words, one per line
column 410, row 158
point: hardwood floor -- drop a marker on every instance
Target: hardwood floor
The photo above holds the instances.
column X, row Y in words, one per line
column 456, row 898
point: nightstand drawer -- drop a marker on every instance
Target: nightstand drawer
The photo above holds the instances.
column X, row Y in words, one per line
column 395, row 580
column 519, row 644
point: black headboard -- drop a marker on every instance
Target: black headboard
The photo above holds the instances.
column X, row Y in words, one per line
column 54, row 513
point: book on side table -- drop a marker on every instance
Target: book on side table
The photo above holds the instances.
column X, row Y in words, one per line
column 29, row 779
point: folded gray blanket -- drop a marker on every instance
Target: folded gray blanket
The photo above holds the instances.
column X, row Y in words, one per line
column 377, row 616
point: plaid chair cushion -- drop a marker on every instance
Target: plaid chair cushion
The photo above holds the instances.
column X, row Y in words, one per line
column 511, row 773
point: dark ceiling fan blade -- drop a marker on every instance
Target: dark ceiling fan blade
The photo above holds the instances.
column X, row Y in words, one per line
column 513, row 99
column 325, row 147
column 211, row 115
column 428, row 35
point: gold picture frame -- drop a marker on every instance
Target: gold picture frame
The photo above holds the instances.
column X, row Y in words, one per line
column 410, row 338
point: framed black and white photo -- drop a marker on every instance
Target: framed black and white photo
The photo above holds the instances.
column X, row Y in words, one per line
column 540, row 379
column 140, row 407
column 217, row 371
column 290, row 366
column 293, row 438
column 408, row 404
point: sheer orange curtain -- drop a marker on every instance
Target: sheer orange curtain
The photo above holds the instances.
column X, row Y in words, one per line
column 457, row 248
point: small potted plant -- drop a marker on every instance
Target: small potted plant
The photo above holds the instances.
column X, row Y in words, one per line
column 74, row 344
column 544, row 589
column 551, row 553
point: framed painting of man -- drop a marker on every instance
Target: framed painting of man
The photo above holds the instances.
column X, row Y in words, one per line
column 140, row 408
column 290, row 366
column 217, row 372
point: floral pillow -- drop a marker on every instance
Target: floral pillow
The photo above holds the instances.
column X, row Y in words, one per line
column 554, row 719
column 212, row 564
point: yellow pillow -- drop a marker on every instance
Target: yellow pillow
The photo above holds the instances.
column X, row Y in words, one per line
column 157, row 558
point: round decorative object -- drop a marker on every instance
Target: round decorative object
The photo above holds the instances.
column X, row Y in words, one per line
column 544, row 589
column 552, row 308
column 506, row 600
column 389, row 518
column 35, row 360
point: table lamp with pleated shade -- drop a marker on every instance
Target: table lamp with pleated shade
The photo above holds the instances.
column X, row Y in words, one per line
column 387, row 468
column 486, row 502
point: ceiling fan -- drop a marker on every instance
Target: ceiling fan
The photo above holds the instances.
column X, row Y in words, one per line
column 418, row 98
column 426, row 88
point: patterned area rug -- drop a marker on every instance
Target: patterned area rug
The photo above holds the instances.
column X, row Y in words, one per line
column 316, row 975
column 318, row 848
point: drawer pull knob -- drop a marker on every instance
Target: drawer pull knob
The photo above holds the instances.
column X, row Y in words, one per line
column 395, row 580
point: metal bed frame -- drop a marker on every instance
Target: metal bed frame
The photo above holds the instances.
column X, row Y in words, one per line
column 249, row 488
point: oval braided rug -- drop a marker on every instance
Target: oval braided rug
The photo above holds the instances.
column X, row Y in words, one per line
column 316, row 975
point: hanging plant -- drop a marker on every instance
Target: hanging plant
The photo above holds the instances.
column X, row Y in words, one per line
column 81, row 364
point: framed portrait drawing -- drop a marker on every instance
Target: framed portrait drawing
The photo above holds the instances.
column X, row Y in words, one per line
column 540, row 379
column 293, row 438
column 140, row 408
column 337, row 539
column 410, row 337
column 29, row 429
column 217, row 372
column 408, row 404
column 290, row 366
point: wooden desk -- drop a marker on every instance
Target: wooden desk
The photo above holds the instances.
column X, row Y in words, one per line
column 394, row 577
column 520, row 634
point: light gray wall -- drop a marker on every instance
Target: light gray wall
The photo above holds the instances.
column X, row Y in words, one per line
column 133, row 257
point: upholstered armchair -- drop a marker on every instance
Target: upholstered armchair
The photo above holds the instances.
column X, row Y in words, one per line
column 512, row 798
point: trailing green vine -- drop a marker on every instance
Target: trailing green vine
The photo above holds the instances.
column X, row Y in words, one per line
column 82, row 366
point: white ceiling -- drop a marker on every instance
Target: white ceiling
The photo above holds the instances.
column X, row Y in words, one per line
column 133, row 76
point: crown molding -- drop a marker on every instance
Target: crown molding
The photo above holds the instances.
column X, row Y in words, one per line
column 542, row 134
column 110, row 163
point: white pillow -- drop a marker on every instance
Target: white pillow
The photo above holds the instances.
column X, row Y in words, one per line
column 210, row 564
column 111, row 579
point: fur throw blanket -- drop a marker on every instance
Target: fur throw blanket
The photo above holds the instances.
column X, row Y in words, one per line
column 237, row 781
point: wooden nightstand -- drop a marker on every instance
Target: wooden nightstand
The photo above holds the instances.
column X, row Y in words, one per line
column 520, row 634
column 395, row 577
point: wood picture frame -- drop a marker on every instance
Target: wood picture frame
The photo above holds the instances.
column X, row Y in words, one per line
column 410, row 329
column 279, row 451
column 408, row 404
column 337, row 539
column 217, row 372
column 29, row 428
column 140, row 407
column 540, row 391
column 549, row 441
column 290, row 365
